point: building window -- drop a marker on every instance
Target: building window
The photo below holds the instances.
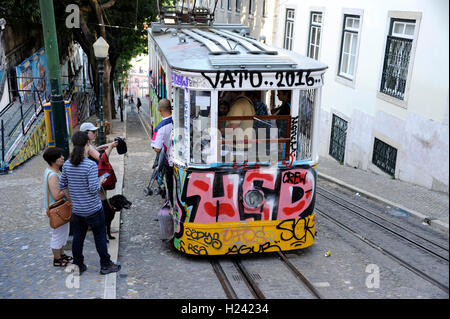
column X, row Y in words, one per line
column 221, row 4
column 338, row 137
column 384, row 156
column 264, row 9
column 349, row 46
column 229, row 5
column 238, row 5
column 315, row 28
column 250, row 6
column 397, row 58
column 289, row 29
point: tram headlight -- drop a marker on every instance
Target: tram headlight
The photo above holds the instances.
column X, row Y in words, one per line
column 254, row 198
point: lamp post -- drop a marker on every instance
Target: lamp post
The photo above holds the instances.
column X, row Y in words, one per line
column 101, row 53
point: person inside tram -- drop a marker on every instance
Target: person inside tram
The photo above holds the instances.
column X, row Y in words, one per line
column 224, row 108
column 241, row 105
column 284, row 109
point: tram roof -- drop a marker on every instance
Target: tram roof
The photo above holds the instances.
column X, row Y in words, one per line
column 221, row 47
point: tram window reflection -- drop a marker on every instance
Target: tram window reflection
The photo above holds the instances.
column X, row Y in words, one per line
column 179, row 125
column 200, row 127
column 306, row 111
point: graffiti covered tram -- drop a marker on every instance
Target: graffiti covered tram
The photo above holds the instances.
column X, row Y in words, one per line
column 238, row 188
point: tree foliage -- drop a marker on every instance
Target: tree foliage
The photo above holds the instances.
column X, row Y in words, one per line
column 123, row 24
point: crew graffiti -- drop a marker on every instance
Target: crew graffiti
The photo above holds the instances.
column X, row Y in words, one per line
column 212, row 198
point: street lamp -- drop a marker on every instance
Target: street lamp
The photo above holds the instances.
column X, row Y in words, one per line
column 101, row 53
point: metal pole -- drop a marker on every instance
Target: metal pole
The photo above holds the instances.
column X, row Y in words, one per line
column 21, row 118
column 56, row 99
column 3, row 143
column 121, row 101
column 101, row 135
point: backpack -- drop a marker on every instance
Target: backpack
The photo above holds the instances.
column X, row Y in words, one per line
column 105, row 167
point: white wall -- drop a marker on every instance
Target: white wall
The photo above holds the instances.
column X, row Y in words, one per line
column 418, row 128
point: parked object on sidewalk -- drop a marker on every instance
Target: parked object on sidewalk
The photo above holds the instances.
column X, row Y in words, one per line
column 110, row 207
column 166, row 226
column 157, row 175
column 105, row 167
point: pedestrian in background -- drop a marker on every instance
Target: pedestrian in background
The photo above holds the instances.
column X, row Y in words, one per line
column 139, row 104
column 55, row 160
column 80, row 176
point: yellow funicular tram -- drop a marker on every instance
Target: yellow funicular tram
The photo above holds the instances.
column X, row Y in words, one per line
column 238, row 189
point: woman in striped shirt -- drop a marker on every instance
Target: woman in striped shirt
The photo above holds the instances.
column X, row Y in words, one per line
column 80, row 176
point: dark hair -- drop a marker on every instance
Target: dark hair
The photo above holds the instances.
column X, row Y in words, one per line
column 79, row 141
column 51, row 154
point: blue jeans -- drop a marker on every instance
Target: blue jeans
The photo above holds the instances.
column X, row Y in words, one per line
column 80, row 227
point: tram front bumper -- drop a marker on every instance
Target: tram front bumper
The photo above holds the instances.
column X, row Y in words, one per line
column 245, row 237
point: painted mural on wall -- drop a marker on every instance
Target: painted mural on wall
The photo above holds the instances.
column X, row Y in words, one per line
column 213, row 217
column 32, row 75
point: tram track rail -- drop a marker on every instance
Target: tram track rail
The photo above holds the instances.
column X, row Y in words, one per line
column 251, row 283
column 424, row 275
column 384, row 223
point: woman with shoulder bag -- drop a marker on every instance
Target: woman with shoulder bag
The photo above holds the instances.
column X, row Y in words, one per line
column 55, row 159
column 80, row 176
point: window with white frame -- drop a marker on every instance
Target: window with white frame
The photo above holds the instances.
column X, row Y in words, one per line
column 315, row 30
column 397, row 57
column 289, row 29
column 349, row 46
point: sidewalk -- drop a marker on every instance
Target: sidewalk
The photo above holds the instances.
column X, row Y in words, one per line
column 424, row 204
column 26, row 269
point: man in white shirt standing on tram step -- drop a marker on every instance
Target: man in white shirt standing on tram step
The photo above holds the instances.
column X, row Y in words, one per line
column 162, row 139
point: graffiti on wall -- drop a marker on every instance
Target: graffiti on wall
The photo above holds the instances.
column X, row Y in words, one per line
column 36, row 142
column 283, row 219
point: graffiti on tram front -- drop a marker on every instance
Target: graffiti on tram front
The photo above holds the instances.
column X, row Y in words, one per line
column 282, row 221
column 280, row 236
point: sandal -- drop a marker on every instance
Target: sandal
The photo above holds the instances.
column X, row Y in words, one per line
column 66, row 258
column 61, row 262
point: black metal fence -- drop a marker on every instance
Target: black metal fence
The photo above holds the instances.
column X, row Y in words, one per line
column 338, row 138
column 395, row 68
column 384, row 156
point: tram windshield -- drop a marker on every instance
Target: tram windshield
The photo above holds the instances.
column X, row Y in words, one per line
column 242, row 126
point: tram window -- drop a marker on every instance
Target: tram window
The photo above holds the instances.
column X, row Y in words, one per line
column 179, row 125
column 265, row 139
column 306, row 111
column 200, row 111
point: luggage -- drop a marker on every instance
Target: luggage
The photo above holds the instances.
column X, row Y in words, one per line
column 166, row 225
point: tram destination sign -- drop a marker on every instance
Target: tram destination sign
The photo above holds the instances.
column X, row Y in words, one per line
column 248, row 80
